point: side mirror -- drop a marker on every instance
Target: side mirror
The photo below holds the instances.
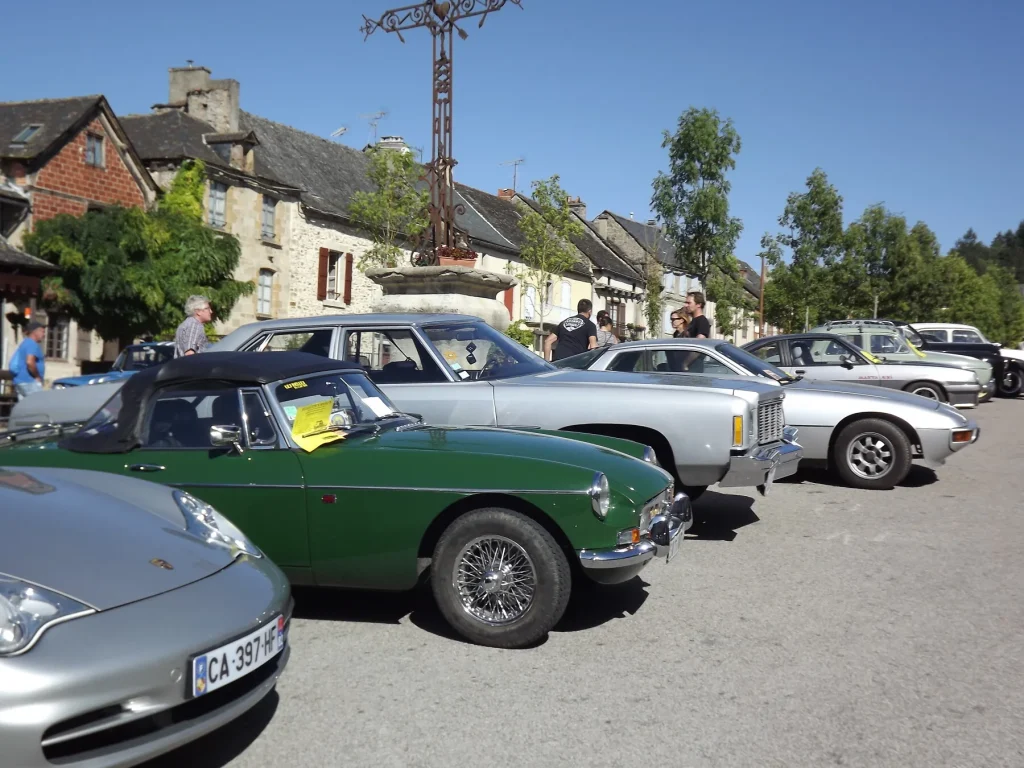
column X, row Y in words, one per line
column 846, row 361
column 224, row 435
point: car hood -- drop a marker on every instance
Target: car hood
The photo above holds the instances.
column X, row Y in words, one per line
column 522, row 453
column 94, row 537
column 864, row 390
column 62, row 405
column 578, row 378
column 96, row 378
column 1012, row 354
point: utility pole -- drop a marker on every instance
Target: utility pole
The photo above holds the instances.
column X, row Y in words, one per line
column 441, row 18
column 760, row 331
column 515, row 169
column 876, row 307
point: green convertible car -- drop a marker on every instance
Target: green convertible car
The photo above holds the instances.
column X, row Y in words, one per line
column 312, row 461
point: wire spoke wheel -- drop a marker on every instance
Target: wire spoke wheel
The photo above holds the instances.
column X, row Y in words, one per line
column 495, row 580
column 870, row 455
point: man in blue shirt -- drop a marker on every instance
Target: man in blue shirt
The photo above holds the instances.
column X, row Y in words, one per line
column 28, row 362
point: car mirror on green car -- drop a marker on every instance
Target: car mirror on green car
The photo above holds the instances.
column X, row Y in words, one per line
column 225, row 435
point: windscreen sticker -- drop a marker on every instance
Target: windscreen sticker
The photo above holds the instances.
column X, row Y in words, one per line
column 295, row 385
column 311, row 427
column 377, row 405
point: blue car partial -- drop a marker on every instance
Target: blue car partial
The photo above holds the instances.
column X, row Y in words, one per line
column 133, row 358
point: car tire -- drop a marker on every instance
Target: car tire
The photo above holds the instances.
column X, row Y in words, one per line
column 927, row 389
column 1011, row 382
column 532, row 554
column 864, row 447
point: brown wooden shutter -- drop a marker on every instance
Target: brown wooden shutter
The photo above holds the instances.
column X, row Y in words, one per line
column 348, row 278
column 321, row 278
column 508, row 301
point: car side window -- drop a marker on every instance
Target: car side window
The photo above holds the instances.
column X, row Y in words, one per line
column 966, row 337
column 183, row 419
column 628, row 362
column 881, row 345
column 770, row 353
column 934, row 334
column 392, row 357
column 258, row 424
column 315, row 341
column 691, row 361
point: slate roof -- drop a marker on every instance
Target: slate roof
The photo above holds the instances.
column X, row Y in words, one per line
column 56, row 117
column 646, row 235
column 12, row 257
column 171, row 135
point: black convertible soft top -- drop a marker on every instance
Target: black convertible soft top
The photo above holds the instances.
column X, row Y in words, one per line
column 208, row 370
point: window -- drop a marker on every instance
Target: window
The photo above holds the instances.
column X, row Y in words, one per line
column 94, row 150
column 530, row 303
column 258, row 425
column 821, row 352
column 314, row 341
column 264, row 291
column 218, row 203
column 56, row 341
column 884, row 344
column 934, row 334
column 333, row 267
column 688, row 361
column 770, row 352
column 26, row 134
column 391, row 357
column 627, row 362
column 269, row 211
column 966, row 337
column 183, row 419
column 566, row 298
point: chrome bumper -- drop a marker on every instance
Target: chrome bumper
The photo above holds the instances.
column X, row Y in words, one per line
column 611, row 566
column 765, row 464
column 988, row 390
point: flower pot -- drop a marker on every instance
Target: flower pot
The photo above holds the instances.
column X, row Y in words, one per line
column 457, row 261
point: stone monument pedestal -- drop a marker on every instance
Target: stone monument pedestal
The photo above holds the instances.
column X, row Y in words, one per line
column 463, row 290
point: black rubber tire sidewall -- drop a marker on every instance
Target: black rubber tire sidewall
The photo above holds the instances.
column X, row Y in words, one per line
column 902, row 458
column 554, row 578
column 1015, row 391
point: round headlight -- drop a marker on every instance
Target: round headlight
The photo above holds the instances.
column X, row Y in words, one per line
column 599, row 495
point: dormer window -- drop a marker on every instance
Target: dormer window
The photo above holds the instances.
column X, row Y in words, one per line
column 26, row 134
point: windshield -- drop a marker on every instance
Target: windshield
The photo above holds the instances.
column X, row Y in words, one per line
column 345, row 399
column 583, row 360
column 138, row 357
column 476, row 351
column 911, row 335
column 105, row 419
column 753, row 363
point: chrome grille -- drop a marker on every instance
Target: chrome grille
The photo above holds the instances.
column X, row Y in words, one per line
column 770, row 421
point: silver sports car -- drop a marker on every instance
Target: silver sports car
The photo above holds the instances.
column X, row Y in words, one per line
column 133, row 619
column 868, row 435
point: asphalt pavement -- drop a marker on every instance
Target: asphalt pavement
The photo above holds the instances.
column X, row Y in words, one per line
column 820, row 626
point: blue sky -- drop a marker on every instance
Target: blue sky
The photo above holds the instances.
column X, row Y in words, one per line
column 913, row 104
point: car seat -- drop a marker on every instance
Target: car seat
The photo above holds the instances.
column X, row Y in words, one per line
column 174, row 425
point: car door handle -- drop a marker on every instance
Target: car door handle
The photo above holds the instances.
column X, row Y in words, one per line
column 146, row 468
column 800, row 371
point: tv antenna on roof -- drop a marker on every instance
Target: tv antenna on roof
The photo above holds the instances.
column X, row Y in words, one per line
column 373, row 119
column 515, row 169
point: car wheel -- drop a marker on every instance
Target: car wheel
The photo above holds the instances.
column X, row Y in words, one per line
column 872, row 454
column 926, row 389
column 499, row 578
column 1011, row 382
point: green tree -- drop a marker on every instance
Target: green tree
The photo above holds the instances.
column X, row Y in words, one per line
column 126, row 272
column 692, row 200
column 397, row 210
column 652, row 271
column 548, row 228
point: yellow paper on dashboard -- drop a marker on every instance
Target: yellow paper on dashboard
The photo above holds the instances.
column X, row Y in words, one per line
column 311, row 424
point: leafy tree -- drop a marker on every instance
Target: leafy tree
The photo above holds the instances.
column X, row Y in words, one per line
column 973, row 251
column 398, row 209
column 548, row 227
column 692, row 200
column 126, row 272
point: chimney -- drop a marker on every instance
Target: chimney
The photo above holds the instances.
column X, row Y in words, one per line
column 652, row 223
column 506, row 194
column 578, row 207
column 212, row 101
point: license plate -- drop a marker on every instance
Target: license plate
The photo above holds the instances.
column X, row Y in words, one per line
column 232, row 661
column 673, row 547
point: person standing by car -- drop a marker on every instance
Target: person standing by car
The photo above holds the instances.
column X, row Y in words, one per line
column 679, row 323
column 573, row 335
column 28, row 362
column 605, row 335
column 190, row 337
column 700, row 326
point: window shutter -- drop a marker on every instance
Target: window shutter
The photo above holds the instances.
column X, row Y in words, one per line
column 508, row 301
column 348, row 278
column 321, row 278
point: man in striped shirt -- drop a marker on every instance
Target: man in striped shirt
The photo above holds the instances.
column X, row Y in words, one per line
column 190, row 338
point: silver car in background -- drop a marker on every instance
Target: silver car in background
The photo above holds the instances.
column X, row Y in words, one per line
column 828, row 357
column 867, row 435
column 133, row 619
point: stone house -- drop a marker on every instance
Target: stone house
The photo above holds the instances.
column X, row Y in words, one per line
column 64, row 156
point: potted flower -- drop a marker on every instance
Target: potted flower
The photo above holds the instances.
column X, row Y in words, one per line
column 455, row 256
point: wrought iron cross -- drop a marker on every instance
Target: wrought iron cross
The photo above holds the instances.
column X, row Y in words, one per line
column 442, row 21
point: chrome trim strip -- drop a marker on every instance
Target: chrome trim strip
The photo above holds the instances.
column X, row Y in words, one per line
column 577, row 492
column 47, row 625
column 234, row 485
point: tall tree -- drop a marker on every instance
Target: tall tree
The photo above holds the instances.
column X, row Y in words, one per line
column 126, row 272
column 548, row 228
column 396, row 210
column 692, row 201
